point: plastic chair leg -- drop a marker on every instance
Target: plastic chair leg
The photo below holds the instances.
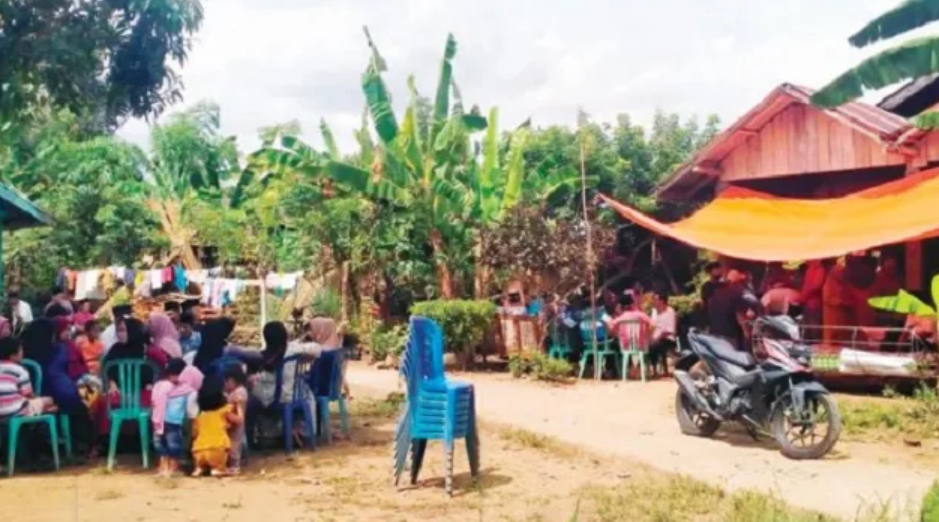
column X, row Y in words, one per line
column 448, row 483
column 287, row 420
column 322, row 404
column 624, row 366
column 144, row 423
column 418, row 447
column 310, row 430
column 66, row 426
column 112, row 442
column 54, row 436
column 14, row 435
column 583, row 364
column 344, row 416
column 642, row 366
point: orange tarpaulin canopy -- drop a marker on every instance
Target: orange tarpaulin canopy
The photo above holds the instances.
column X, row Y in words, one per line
column 752, row 225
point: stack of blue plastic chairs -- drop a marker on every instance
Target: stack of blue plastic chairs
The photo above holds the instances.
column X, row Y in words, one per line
column 435, row 408
column 298, row 399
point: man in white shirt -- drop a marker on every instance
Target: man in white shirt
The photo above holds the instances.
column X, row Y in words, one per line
column 664, row 331
column 22, row 312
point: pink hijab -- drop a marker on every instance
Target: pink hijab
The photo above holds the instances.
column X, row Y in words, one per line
column 164, row 335
column 190, row 380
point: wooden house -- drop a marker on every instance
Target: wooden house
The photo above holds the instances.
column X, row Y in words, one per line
column 787, row 147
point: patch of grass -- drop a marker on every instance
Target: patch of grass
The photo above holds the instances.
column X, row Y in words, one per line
column 233, row 505
column 109, row 495
column 535, row 441
column 683, row 498
column 387, row 408
column 916, row 416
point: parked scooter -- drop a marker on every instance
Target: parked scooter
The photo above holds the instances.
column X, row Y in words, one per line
column 777, row 396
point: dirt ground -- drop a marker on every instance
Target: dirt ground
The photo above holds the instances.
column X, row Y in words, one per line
column 636, row 421
column 606, row 451
column 524, row 478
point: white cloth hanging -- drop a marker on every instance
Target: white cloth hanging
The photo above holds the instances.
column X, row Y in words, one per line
column 86, row 285
column 156, row 279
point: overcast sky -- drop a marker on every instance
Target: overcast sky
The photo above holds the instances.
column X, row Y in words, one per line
column 270, row 61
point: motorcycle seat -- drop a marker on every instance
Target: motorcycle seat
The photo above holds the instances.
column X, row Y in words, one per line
column 726, row 351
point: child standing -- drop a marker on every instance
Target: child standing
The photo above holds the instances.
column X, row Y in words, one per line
column 237, row 395
column 210, row 430
column 173, row 400
column 16, row 390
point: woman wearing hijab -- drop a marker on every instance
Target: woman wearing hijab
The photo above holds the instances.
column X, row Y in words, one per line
column 39, row 342
column 215, row 335
column 76, row 366
column 163, row 335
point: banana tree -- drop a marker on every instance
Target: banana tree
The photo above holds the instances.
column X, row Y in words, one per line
column 912, row 59
column 908, row 304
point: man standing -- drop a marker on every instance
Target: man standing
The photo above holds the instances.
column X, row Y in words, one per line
column 716, row 280
column 664, row 331
column 20, row 310
column 727, row 310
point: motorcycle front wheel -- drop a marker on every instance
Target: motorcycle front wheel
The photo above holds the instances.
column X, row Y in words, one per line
column 810, row 435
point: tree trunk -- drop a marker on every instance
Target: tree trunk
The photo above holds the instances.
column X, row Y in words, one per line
column 481, row 272
column 345, row 293
column 444, row 276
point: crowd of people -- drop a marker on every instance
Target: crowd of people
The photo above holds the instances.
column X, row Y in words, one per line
column 183, row 384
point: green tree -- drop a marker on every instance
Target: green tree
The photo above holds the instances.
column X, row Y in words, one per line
column 913, row 58
column 103, row 59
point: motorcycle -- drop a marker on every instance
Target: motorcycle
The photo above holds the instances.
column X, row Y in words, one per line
column 777, row 396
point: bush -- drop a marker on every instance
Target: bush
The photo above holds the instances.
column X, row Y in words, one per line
column 384, row 341
column 465, row 323
column 327, row 302
column 930, row 509
column 539, row 366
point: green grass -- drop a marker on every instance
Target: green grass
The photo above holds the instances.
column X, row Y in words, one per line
column 684, row 499
column 534, row 441
column 387, row 408
column 915, row 417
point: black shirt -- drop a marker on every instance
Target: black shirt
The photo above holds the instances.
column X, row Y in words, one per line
column 708, row 289
column 723, row 308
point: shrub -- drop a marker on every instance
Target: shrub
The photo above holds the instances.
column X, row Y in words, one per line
column 327, row 302
column 384, row 341
column 540, row 367
column 930, row 509
column 465, row 323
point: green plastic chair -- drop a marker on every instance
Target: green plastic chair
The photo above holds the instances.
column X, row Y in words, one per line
column 35, row 373
column 15, row 423
column 559, row 348
column 130, row 386
column 604, row 349
column 635, row 337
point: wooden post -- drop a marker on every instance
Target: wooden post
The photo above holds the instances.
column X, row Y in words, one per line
column 263, row 314
column 914, row 250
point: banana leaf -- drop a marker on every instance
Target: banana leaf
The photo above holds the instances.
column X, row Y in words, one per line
column 902, row 303
column 379, row 105
column 329, row 141
column 911, row 60
column 907, row 16
column 442, row 99
column 515, row 171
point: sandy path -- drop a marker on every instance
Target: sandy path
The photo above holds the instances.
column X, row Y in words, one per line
column 637, row 421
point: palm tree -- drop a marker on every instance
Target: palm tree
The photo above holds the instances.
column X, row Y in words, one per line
column 911, row 59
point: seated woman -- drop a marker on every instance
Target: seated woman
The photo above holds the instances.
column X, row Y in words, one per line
column 277, row 348
column 39, row 343
column 163, row 335
column 134, row 344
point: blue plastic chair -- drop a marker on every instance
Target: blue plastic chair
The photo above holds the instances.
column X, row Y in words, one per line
column 218, row 366
column 326, row 384
column 130, row 386
column 299, row 399
column 435, row 408
column 13, row 424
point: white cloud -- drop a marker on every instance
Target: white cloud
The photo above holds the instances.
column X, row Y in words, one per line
column 270, row 61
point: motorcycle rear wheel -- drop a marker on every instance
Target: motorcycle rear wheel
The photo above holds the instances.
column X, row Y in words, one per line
column 791, row 434
column 691, row 420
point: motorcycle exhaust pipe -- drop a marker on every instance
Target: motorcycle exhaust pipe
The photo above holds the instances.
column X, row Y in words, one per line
column 690, row 390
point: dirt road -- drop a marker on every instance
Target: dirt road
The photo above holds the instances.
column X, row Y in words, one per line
column 637, row 421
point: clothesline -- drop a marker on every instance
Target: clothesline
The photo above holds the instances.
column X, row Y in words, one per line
column 217, row 291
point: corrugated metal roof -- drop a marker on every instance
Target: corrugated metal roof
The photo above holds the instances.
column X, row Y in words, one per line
column 871, row 121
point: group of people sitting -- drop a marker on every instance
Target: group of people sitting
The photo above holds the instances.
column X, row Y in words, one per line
column 622, row 319
column 183, row 380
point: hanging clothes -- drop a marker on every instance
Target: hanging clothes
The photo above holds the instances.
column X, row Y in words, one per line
column 61, row 279
column 179, row 278
column 86, row 286
column 71, row 279
column 156, row 279
column 130, row 277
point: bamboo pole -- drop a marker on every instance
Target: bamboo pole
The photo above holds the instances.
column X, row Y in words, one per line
column 597, row 369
